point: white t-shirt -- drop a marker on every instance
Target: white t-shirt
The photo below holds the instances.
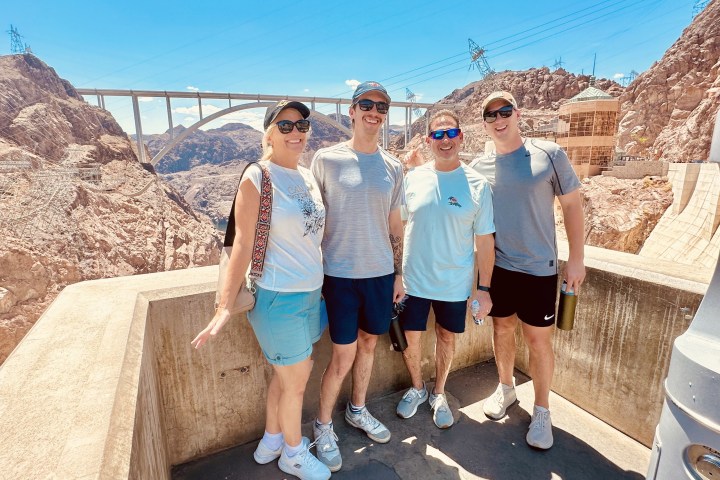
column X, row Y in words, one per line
column 445, row 210
column 293, row 262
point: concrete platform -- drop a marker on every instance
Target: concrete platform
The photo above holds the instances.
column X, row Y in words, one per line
column 474, row 448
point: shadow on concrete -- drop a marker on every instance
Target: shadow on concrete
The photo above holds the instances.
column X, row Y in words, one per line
column 475, row 447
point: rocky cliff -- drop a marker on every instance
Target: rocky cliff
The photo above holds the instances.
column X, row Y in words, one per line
column 668, row 111
column 75, row 203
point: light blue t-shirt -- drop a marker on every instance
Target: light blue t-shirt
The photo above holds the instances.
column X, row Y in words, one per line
column 445, row 210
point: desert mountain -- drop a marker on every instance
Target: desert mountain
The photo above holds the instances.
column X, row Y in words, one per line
column 668, row 112
column 75, row 202
column 205, row 166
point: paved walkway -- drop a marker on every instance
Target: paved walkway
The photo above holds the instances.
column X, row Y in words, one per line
column 474, row 448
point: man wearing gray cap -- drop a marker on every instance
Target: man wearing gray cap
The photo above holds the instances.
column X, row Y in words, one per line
column 361, row 185
column 526, row 175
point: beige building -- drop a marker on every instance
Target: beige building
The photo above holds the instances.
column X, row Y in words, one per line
column 586, row 129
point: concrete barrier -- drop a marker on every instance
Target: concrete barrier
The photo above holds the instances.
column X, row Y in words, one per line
column 106, row 384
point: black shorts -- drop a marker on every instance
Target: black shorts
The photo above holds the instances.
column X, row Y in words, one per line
column 531, row 297
column 449, row 315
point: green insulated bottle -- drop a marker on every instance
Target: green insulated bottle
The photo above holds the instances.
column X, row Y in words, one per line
column 566, row 308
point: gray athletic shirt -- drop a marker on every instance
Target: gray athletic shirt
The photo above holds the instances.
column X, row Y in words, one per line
column 524, row 184
column 359, row 191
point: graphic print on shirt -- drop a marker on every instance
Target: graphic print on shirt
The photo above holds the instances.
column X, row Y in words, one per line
column 454, row 202
column 313, row 213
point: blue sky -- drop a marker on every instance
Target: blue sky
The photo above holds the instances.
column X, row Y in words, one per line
column 319, row 48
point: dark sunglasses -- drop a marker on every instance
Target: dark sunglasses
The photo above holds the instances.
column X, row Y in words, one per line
column 504, row 112
column 286, row 126
column 367, row 105
column 439, row 134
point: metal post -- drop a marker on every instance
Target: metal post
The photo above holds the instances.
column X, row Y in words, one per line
column 200, row 105
column 169, row 114
column 337, row 112
column 138, row 128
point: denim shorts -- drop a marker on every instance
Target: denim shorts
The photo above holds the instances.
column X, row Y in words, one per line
column 358, row 303
column 286, row 324
column 449, row 315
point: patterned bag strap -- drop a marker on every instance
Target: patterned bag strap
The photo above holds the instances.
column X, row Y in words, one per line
column 262, row 227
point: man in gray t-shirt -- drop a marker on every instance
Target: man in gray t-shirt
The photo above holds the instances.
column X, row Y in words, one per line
column 361, row 186
column 526, row 175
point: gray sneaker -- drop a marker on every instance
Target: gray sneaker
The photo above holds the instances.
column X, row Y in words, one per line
column 410, row 401
column 369, row 424
column 496, row 404
column 442, row 416
column 540, row 432
column 326, row 447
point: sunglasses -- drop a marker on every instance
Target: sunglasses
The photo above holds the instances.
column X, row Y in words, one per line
column 504, row 112
column 439, row 134
column 286, row 126
column 367, row 105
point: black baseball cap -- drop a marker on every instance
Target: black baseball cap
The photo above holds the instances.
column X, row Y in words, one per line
column 273, row 111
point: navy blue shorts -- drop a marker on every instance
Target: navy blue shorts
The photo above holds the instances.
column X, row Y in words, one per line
column 358, row 303
column 531, row 297
column 450, row 315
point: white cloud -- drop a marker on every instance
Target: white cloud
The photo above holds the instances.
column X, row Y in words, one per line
column 352, row 83
column 306, row 90
column 192, row 89
column 146, row 99
column 618, row 75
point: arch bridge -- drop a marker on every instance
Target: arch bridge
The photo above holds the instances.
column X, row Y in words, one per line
column 250, row 101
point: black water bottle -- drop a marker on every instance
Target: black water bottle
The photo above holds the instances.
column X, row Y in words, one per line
column 566, row 308
column 397, row 334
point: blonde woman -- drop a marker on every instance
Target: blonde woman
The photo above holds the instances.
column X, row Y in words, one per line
column 288, row 316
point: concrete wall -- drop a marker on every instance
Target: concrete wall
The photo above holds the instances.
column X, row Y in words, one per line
column 638, row 169
column 106, row 384
column 615, row 360
column 688, row 232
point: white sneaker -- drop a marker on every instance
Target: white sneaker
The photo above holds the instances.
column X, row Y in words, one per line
column 326, row 447
column 264, row 455
column 369, row 424
column 540, row 433
column 497, row 404
column 304, row 465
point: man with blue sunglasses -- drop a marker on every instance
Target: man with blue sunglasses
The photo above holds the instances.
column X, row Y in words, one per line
column 449, row 215
column 526, row 175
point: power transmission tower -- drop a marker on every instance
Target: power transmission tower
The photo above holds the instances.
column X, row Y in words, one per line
column 478, row 59
column 16, row 43
column 558, row 63
column 411, row 97
column 699, row 6
column 628, row 79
